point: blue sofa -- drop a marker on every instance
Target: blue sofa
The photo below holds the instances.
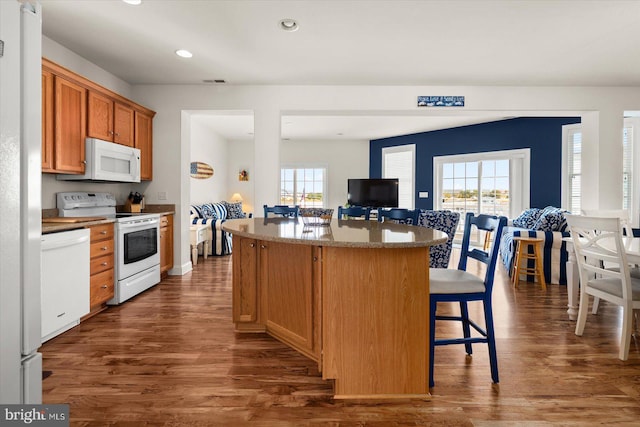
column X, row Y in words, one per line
column 549, row 224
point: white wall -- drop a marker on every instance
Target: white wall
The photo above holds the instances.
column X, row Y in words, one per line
column 51, row 186
column 208, row 147
column 74, row 62
column 241, row 157
column 343, row 159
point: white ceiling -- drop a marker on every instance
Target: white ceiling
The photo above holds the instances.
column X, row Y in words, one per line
column 357, row 42
column 239, row 126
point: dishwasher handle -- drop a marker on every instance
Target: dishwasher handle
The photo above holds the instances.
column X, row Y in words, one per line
column 48, row 245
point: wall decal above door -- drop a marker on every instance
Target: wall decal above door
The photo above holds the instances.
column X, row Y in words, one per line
column 201, row 170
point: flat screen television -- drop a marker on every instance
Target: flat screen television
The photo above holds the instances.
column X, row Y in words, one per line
column 374, row 193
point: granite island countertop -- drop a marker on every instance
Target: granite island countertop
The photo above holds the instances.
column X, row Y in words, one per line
column 342, row 233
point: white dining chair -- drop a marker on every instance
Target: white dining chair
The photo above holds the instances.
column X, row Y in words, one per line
column 623, row 214
column 597, row 241
column 625, row 221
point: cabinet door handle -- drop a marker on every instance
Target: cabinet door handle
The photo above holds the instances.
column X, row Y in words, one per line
column 253, row 245
column 61, row 314
column 84, row 162
column 315, row 258
column 103, row 232
column 103, row 264
column 263, row 247
column 104, row 248
column 104, row 286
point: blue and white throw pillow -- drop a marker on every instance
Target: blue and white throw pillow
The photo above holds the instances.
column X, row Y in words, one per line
column 213, row 211
column 528, row 218
column 195, row 211
column 234, row 210
column 551, row 219
column 206, row 211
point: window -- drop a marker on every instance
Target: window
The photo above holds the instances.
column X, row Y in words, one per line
column 627, row 167
column 494, row 183
column 303, row 186
column 630, row 161
column 398, row 162
column 572, row 167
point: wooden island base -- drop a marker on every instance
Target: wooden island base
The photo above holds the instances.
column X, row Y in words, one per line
column 375, row 306
column 361, row 312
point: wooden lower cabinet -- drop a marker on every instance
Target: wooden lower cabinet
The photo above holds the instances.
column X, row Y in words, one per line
column 245, row 279
column 166, row 244
column 101, row 288
column 102, row 266
column 362, row 313
column 268, row 300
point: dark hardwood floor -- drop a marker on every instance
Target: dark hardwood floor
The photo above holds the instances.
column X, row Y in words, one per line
column 170, row 357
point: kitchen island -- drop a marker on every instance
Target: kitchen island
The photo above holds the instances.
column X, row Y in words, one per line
column 353, row 296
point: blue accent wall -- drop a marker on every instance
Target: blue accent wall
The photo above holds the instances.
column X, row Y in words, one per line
column 543, row 135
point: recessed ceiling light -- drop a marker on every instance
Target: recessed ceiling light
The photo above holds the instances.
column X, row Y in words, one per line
column 184, row 53
column 289, row 24
column 133, row 2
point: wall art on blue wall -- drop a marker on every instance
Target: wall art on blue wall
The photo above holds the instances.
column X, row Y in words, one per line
column 441, row 101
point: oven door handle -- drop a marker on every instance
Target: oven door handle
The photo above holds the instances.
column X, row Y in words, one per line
column 144, row 223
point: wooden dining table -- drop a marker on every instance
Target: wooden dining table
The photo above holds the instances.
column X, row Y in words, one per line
column 632, row 246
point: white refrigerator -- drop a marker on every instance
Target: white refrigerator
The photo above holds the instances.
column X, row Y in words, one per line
column 20, row 201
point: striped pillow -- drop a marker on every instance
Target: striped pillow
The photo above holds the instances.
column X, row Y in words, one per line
column 214, row 211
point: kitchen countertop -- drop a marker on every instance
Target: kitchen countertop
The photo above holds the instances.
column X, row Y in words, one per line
column 55, row 227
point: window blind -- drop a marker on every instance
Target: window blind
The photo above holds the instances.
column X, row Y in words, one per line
column 398, row 163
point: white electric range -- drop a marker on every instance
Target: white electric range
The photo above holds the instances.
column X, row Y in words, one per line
column 137, row 240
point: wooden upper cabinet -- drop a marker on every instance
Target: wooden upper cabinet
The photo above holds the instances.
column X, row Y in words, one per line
column 109, row 120
column 100, row 116
column 74, row 108
column 70, row 126
column 123, row 124
column 47, row 122
column 144, row 142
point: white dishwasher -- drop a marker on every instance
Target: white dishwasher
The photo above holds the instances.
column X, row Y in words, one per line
column 65, row 280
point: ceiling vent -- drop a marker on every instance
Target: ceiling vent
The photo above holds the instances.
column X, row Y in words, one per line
column 216, row 81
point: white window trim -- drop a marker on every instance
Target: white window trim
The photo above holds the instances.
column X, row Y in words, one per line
column 634, row 203
column 634, row 123
column 519, row 175
column 325, row 177
column 401, row 149
column 566, row 179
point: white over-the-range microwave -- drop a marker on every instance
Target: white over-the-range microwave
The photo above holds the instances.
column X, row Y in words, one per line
column 107, row 161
